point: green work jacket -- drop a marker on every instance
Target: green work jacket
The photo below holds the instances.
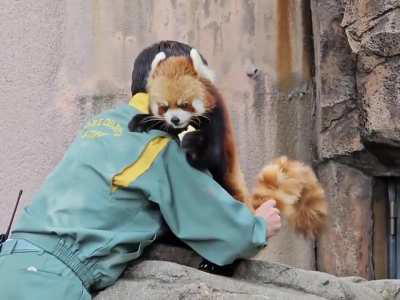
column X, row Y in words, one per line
column 114, row 192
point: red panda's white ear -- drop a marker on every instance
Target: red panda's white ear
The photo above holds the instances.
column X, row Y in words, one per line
column 201, row 68
column 157, row 59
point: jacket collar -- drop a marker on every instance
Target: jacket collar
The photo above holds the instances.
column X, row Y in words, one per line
column 140, row 101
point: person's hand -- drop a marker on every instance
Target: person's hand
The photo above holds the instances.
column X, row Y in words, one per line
column 271, row 215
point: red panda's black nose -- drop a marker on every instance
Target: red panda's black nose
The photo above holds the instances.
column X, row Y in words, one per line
column 175, row 120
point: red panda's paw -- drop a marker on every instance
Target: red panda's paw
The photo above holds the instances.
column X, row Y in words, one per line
column 193, row 141
column 141, row 123
column 209, row 267
column 194, row 145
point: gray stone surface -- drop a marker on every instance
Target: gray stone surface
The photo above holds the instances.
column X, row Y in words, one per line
column 357, row 67
column 388, row 289
column 373, row 26
column 337, row 113
column 163, row 279
column 373, row 33
column 345, row 247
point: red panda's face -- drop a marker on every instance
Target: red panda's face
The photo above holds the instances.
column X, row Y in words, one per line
column 177, row 101
column 177, row 95
column 178, row 116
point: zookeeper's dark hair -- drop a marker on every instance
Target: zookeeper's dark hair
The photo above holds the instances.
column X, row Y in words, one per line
column 142, row 64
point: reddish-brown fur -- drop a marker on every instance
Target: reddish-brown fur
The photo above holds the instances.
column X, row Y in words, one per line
column 234, row 176
column 298, row 194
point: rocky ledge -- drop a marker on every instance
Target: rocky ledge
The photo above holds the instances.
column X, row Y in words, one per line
column 168, row 272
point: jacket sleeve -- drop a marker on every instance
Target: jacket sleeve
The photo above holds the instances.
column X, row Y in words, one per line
column 203, row 215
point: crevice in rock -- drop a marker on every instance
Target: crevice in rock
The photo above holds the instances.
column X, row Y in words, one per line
column 372, row 26
column 364, row 161
column 386, row 56
column 308, row 291
column 370, row 70
column 331, row 123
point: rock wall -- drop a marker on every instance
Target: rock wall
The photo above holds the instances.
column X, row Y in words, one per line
column 358, row 133
column 155, row 279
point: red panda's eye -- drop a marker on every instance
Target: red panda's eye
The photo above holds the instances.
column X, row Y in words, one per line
column 162, row 109
column 184, row 105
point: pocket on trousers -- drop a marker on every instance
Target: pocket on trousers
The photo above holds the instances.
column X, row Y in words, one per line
column 47, row 285
column 29, row 279
column 65, row 283
column 37, row 262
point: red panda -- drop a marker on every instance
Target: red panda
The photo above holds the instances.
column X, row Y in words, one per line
column 182, row 93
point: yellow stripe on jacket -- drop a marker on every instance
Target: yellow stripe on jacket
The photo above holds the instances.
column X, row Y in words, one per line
column 128, row 175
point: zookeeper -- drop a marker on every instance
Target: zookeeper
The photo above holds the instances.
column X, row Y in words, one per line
column 114, row 193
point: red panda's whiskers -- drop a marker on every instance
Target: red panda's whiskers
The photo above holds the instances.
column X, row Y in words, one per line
column 165, row 126
column 196, row 121
column 155, row 124
column 202, row 116
column 152, row 119
column 155, row 118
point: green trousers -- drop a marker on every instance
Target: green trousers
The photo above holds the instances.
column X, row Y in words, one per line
column 28, row 272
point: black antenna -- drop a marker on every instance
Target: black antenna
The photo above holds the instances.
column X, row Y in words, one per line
column 4, row 237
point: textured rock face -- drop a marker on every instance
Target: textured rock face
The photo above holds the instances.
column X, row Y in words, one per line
column 349, row 231
column 373, row 26
column 373, row 32
column 357, row 67
column 155, row 279
column 336, row 99
column 163, row 280
column 357, row 81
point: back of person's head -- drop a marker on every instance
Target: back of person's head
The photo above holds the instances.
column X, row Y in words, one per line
column 142, row 64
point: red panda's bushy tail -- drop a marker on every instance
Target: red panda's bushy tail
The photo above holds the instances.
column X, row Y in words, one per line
column 298, row 194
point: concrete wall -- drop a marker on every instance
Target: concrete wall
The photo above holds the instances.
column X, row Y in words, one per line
column 63, row 61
